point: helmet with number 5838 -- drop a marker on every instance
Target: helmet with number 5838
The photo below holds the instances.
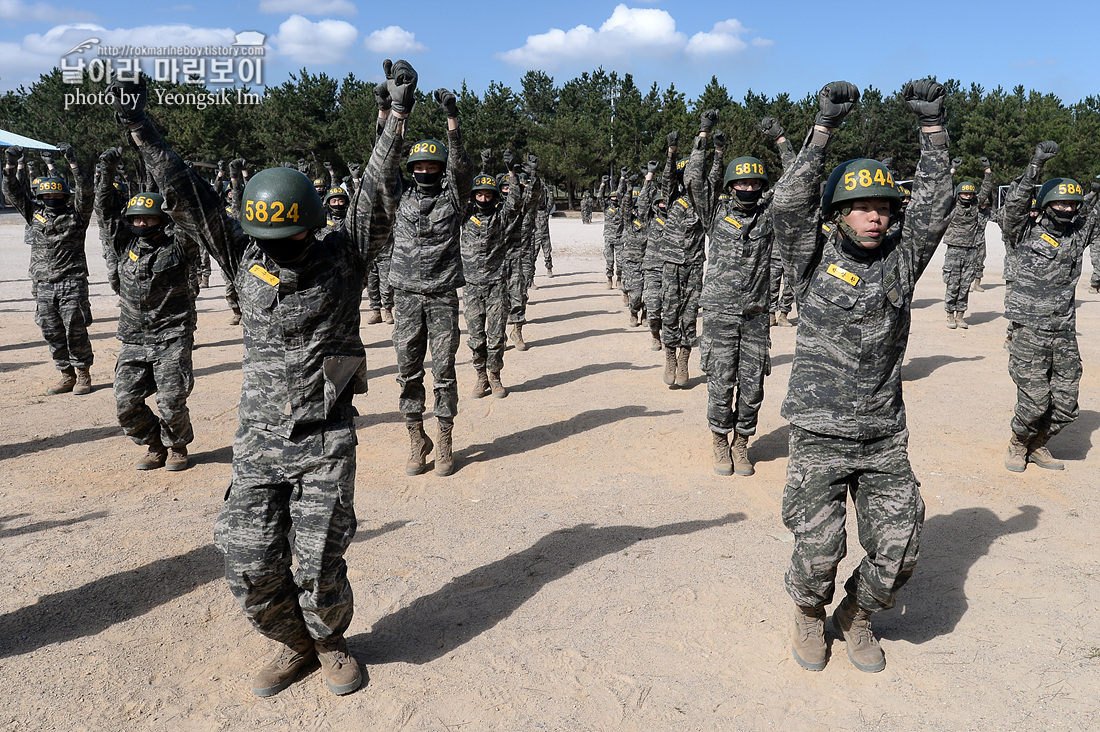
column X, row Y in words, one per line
column 280, row 203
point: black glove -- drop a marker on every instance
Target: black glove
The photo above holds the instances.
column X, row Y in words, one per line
column 448, row 102
column 956, row 163
column 719, row 139
column 401, row 81
column 770, row 126
column 222, row 168
column 382, row 96
column 12, row 154
column 67, row 150
column 508, row 158
column 353, row 168
column 672, row 138
column 303, row 166
column 606, row 179
column 633, row 178
column 708, row 119
column 624, row 171
column 110, row 157
column 235, row 167
column 1044, row 151
column 328, row 165
column 926, row 97
column 47, row 157
column 531, row 165
column 486, row 156
column 835, row 100
column 652, row 167
column 1095, row 186
column 985, row 163
column 128, row 99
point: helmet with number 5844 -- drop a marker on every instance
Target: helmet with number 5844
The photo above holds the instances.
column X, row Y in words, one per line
column 858, row 179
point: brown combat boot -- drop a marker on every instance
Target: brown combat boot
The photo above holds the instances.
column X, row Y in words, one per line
column 959, row 320
column 1038, row 453
column 204, row 282
column 771, row 319
column 517, row 337
column 808, row 639
column 951, row 321
column 65, row 384
column 340, row 669
column 655, row 335
column 854, row 624
column 374, row 317
column 976, row 286
column 549, row 273
column 177, row 458
column 281, row 671
column 420, row 447
column 739, row 452
column 387, row 316
column 626, row 298
column 782, row 321
column 721, row 447
column 499, row 392
column 609, row 285
column 444, row 458
column 633, row 320
column 1016, row 460
column 158, row 455
column 481, row 388
column 682, row 357
column 670, row 366
column 236, row 319
column 83, row 382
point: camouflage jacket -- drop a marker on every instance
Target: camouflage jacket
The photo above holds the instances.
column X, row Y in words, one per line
column 638, row 214
column 613, row 220
column 302, row 348
column 854, row 315
column 685, row 233
column 56, row 236
column 426, row 233
column 965, row 222
column 1048, row 260
column 586, row 205
column 484, row 239
column 154, row 276
column 542, row 214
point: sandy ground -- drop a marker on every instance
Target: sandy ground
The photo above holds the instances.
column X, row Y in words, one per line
column 584, row 569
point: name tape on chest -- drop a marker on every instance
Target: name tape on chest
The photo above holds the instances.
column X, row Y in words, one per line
column 733, row 221
column 264, row 275
column 682, row 202
column 133, row 257
column 476, row 220
column 842, row 274
column 659, row 220
column 40, row 218
column 1049, row 239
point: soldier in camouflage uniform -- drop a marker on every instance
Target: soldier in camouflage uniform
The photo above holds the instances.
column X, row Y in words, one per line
column 336, row 209
column 961, row 238
column 542, row 231
column 638, row 215
column 586, row 208
column 58, row 221
column 426, row 273
column 292, row 496
column 483, row 242
column 1044, row 360
column 1009, row 268
column 156, row 324
column 780, row 292
column 519, row 263
column 652, row 266
column 613, row 222
column 854, row 286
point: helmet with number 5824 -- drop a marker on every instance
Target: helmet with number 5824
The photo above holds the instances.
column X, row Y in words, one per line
column 279, row 203
column 858, row 179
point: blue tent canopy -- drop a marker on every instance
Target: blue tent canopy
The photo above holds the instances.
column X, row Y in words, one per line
column 7, row 139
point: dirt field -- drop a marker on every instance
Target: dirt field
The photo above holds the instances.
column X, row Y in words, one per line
column 583, row 569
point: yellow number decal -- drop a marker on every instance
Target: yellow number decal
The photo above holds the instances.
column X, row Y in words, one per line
column 261, row 210
column 864, row 178
column 849, row 181
column 879, row 178
column 292, row 214
column 248, row 210
column 277, row 212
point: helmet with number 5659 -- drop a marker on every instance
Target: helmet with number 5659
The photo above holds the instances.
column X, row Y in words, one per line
column 858, row 179
column 279, row 203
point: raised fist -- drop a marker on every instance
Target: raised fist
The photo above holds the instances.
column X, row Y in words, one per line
column 303, row 166
column 1044, row 151
column 956, row 163
column 67, row 150
column 448, row 102
column 708, row 119
column 128, row 99
column 110, row 157
column 986, row 165
column 719, row 139
column 328, row 165
column 508, row 156
column 652, row 167
column 770, row 126
column 12, row 154
column 835, row 100
column 624, row 171
column 401, row 81
column 531, row 165
column 925, row 97
column 672, row 138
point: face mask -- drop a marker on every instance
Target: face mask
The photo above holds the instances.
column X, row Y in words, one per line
column 968, row 202
column 285, row 252
column 338, row 212
column 485, row 206
column 56, row 203
column 748, row 199
column 1062, row 218
column 428, row 180
column 145, row 232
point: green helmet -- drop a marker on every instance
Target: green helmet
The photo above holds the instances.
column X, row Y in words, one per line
column 52, row 184
column 146, row 204
column 681, row 163
column 658, row 198
column 427, row 151
column 1060, row 189
column 745, row 168
column 858, row 179
column 635, row 192
column 335, row 192
column 966, row 187
column 488, row 183
column 319, row 183
column 34, row 184
column 905, row 191
column 278, row 203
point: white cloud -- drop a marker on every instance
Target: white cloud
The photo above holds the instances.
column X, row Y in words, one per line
column 42, row 12
column 393, row 40
column 323, row 42
column 307, row 7
column 724, row 38
column 628, row 31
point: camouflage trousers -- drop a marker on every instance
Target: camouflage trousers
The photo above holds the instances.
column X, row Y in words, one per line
column 821, row 472
column 515, row 288
column 63, row 312
column 780, row 293
column 681, row 285
column 958, row 273
column 486, row 317
column 204, row 268
column 527, row 263
column 110, row 258
column 612, row 267
column 543, row 245
column 734, row 355
column 1046, row 367
column 231, row 296
column 979, row 261
column 164, row 369
column 423, row 320
column 651, row 295
column 379, row 291
column 632, row 285
column 586, row 217
column 291, row 499
column 1094, row 254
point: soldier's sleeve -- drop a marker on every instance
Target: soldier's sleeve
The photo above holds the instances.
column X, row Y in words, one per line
column 1017, row 209
column 599, row 196
column 83, row 196
column 796, row 207
column 624, row 196
column 927, row 216
column 645, row 198
column 986, row 190
column 694, row 183
column 236, row 185
column 373, row 207
column 108, row 211
column 460, row 170
column 194, row 206
column 17, row 194
column 515, row 204
column 670, row 173
column 786, row 153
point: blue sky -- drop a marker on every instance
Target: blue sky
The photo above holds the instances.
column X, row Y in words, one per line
column 769, row 47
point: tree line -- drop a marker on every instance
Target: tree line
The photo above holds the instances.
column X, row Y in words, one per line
column 582, row 129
